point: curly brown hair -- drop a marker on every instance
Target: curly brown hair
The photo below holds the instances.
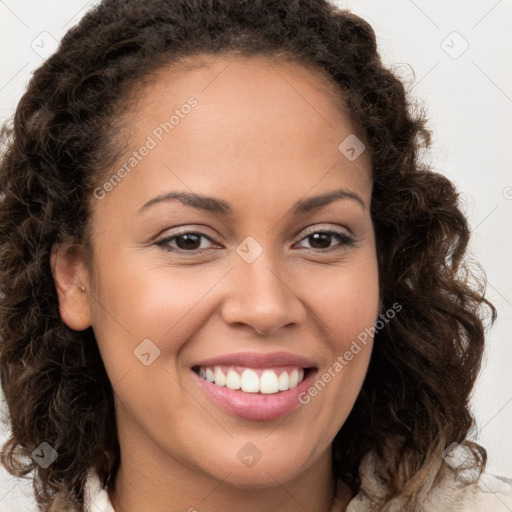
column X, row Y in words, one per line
column 415, row 398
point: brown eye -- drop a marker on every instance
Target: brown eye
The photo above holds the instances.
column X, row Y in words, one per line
column 189, row 241
column 321, row 240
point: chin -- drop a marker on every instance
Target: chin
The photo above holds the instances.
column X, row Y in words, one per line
column 277, row 467
column 261, row 477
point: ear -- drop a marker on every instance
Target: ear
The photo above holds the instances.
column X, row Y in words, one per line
column 72, row 282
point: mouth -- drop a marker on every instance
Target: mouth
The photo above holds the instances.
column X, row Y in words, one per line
column 255, row 386
column 266, row 381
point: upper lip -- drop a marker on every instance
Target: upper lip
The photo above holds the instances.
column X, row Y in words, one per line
column 258, row 360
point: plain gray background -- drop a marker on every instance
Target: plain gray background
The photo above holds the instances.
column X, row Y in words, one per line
column 460, row 55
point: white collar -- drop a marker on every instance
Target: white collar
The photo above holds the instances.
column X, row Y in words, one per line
column 96, row 497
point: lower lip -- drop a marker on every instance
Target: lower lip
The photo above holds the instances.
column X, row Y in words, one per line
column 255, row 406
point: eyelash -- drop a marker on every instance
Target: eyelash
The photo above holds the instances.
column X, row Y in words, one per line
column 345, row 240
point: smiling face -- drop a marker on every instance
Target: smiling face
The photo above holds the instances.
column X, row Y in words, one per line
column 183, row 290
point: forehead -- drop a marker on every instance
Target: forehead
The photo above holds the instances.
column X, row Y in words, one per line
column 258, row 125
column 244, row 83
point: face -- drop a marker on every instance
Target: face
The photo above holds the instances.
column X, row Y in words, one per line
column 259, row 286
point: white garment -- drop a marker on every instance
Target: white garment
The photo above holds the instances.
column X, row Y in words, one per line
column 458, row 491
column 96, row 497
column 489, row 494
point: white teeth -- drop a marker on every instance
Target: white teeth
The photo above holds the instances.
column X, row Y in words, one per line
column 220, row 379
column 284, row 381
column 268, row 382
column 232, row 380
column 294, row 378
column 249, row 382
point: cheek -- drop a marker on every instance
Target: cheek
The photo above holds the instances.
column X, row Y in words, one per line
column 346, row 307
column 347, row 302
column 134, row 302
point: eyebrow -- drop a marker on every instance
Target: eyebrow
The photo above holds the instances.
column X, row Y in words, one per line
column 214, row 205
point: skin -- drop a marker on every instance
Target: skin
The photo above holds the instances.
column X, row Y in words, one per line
column 260, row 138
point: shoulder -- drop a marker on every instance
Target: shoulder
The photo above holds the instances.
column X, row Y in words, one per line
column 456, row 491
column 489, row 492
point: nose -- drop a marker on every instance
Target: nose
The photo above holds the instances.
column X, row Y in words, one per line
column 261, row 298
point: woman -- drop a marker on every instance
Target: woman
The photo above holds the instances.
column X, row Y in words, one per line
column 227, row 281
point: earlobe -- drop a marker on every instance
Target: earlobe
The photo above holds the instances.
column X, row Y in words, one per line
column 71, row 279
